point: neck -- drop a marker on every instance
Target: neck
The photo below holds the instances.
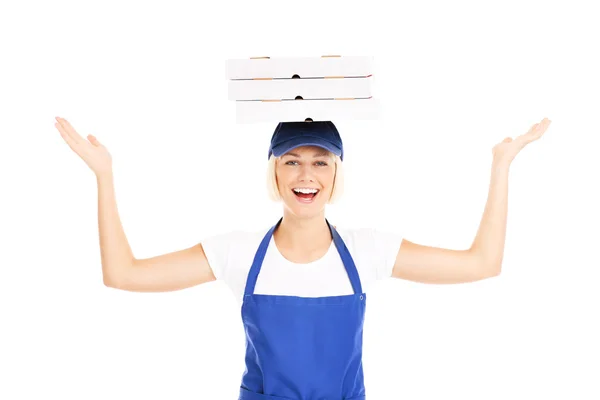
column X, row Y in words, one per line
column 302, row 233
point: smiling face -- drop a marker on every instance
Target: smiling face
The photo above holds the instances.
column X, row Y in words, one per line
column 305, row 177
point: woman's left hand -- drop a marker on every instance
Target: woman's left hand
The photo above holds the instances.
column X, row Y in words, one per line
column 505, row 151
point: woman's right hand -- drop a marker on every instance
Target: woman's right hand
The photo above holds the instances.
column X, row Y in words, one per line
column 92, row 152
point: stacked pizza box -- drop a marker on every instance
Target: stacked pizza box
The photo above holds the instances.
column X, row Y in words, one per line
column 290, row 89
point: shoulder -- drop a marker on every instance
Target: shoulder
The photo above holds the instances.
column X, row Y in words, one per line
column 369, row 236
column 375, row 250
column 355, row 235
column 226, row 251
column 234, row 239
column 231, row 236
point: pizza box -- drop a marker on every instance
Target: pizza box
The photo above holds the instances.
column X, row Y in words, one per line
column 299, row 67
column 303, row 88
column 253, row 111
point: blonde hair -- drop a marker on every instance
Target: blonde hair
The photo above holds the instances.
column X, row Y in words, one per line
column 338, row 179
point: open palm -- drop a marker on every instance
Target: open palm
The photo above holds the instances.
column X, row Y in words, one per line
column 91, row 151
column 505, row 151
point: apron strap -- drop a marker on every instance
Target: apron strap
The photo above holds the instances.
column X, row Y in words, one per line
column 258, row 260
column 346, row 259
column 337, row 240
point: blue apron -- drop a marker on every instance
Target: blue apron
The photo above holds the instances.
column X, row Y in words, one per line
column 303, row 348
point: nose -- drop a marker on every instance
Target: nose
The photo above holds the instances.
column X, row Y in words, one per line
column 306, row 173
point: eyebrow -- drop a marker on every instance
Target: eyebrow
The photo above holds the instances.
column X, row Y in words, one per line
column 321, row 154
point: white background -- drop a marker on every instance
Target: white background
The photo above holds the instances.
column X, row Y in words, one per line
column 454, row 78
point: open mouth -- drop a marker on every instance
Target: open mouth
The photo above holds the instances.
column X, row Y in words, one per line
column 305, row 194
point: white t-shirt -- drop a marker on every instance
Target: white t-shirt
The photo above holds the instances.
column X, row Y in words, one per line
column 230, row 256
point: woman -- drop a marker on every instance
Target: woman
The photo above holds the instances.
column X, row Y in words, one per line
column 303, row 335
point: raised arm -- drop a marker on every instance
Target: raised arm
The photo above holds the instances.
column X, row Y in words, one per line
column 484, row 258
column 120, row 269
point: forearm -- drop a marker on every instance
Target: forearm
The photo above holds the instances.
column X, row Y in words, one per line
column 114, row 247
column 490, row 238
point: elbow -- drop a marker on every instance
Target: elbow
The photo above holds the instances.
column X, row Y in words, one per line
column 109, row 281
column 486, row 267
column 117, row 277
column 113, row 281
column 491, row 270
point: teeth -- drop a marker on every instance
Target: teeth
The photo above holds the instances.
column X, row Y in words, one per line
column 305, row 190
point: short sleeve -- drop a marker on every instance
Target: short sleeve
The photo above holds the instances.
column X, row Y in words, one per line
column 216, row 248
column 386, row 246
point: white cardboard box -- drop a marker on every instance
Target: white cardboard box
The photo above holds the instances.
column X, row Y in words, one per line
column 303, row 67
column 290, row 89
column 301, row 110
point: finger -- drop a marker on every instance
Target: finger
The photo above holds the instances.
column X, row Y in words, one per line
column 543, row 125
column 536, row 127
column 532, row 128
column 528, row 137
column 70, row 130
column 535, row 133
column 64, row 129
column 546, row 123
column 94, row 141
column 541, row 128
column 66, row 137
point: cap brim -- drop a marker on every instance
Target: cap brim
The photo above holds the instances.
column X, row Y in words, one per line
column 291, row 144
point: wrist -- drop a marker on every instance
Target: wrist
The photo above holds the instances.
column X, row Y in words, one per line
column 500, row 165
column 500, row 171
column 104, row 177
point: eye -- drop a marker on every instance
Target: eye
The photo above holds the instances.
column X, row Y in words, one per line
column 318, row 163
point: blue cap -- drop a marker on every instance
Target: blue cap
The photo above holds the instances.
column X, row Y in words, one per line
column 289, row 135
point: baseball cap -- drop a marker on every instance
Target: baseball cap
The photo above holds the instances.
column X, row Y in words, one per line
column 289, row 135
